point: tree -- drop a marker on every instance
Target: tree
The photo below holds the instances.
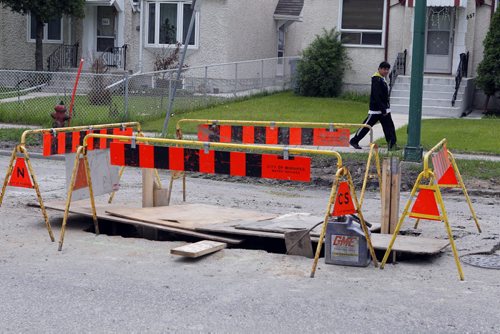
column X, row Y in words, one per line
column 43, row 11
column 488, row 71
column 321, row 70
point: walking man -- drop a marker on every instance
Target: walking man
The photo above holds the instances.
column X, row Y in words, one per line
column 379, row 109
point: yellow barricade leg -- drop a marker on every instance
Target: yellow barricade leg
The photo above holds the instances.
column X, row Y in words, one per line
column 450, row 234
column 362, row 220
column 461, row 181
column 91, row 192
column 38, row 195
column 68, row 199
column 333, row 195
column 9, row 173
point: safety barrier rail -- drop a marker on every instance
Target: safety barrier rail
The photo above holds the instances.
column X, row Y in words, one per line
column 429, row 203
column 281, row 133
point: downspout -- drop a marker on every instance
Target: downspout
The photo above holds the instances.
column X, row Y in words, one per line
column 387, row 21
column 141, row 37
column 388, row 17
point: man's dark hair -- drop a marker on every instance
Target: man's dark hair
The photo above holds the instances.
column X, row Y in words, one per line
column 384, row 64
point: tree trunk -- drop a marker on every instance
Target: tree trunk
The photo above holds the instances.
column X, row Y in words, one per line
column 39, row 45
column 486, row 104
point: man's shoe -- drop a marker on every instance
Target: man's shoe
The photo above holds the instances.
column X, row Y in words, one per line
column 354, row 144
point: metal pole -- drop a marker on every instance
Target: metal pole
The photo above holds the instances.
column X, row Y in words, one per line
column 205, row 83
column 413, row 149
column 126, row 114
column 171, row 96
column 235, row 78
column 262, row 75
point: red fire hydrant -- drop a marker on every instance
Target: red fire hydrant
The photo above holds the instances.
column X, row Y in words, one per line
column 60, row 117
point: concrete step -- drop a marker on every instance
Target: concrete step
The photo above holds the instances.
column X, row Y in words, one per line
column 451, row 112
column 429, row 80
column 432, row 88
column 426, row 94
column 426, row 102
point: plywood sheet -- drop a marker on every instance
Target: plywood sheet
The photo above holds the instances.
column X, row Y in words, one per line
column 188, row 216
column 83, row 208
column 404, row 243
column 198, row 249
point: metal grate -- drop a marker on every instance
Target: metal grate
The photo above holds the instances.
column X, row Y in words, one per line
column 482, row 260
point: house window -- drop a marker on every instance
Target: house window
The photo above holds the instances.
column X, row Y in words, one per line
column 52, row 30
column 168, row 23
column 362, row 22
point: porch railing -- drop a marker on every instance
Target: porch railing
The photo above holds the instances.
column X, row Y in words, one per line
column 461, row 72
column 398, row 68
column 116, row 56
column 65, row 56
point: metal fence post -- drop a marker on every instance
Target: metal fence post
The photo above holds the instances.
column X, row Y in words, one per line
column 235, row 78
column 205, row 84
column 127, row 115
column 262, row 74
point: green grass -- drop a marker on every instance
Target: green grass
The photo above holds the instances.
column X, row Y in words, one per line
column 276, row 107
column 463, row 135
column 14, row 136
column 479, row 169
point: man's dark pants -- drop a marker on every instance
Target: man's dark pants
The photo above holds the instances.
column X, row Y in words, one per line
column 387, row 126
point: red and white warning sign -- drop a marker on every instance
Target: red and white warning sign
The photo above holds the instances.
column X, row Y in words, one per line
column 20, row 175
column 443, row 169
column 343, row 202
column 425, row 206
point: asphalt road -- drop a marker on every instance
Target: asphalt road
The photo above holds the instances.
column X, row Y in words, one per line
column 113, row 284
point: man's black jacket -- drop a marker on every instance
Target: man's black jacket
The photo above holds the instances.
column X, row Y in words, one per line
column 379, row 96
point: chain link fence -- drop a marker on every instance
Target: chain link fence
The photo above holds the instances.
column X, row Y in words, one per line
column 30, row 97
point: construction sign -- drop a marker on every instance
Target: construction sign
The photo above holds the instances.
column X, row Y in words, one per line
column 443, row 170
column 20, row 175
column 105, row 178
column 344, row 204
column 425, row 206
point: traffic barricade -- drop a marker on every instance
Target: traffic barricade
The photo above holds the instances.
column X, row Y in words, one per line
column 429, row 203
column 214, row 158
column 281, row 133
column 20, row 172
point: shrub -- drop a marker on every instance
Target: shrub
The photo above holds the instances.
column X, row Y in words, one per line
column 321, row 70
column 488, row 71
column 98, row 94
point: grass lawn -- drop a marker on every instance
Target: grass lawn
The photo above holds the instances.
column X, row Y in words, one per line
column 463, row 135
column 276, row 107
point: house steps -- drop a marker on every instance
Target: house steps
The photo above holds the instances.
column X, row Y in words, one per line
column 436, row 96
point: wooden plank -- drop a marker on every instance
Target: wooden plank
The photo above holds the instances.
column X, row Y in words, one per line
column 386, row 196
column 198, row 249
column 160, row 197
column 83, row 208
column 395, row 195
column 409, row 244
column 147, row 187
column 188, row 216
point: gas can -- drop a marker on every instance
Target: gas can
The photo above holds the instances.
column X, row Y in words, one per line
column 346, row 244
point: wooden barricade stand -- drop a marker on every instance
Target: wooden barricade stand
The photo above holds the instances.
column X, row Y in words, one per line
column 182, row 155
column 353, row 206
column 429, row 203
column 282, row 133
column 55, row 141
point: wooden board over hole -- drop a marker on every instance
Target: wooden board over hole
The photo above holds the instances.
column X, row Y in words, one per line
column 198, row 249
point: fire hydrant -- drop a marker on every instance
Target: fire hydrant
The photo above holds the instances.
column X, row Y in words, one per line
column 60, row 117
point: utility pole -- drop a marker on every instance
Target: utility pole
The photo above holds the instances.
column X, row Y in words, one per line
column 171, row 93
column 413, row 150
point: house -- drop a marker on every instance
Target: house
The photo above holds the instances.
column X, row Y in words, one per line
column 130, row 33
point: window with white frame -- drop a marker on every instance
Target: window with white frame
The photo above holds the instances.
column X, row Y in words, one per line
column 52, row 30
column 362, row 22
column 168, row 23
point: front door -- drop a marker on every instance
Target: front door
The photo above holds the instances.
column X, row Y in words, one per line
column 105, row 28
column 280, row 68
column 439, row 39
